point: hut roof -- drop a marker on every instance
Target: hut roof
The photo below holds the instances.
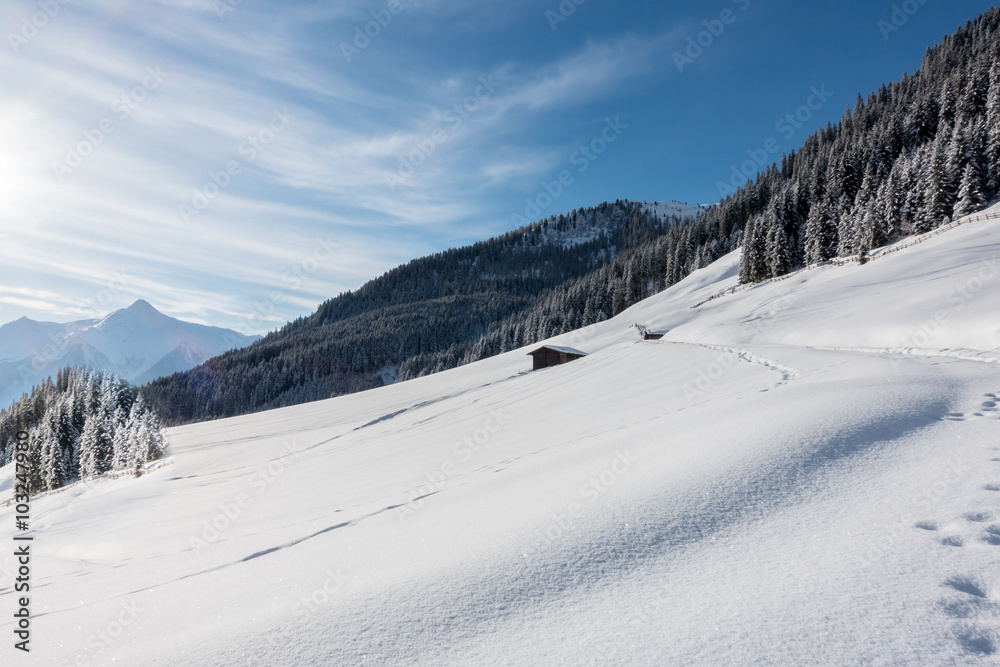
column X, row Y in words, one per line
column 559, row 348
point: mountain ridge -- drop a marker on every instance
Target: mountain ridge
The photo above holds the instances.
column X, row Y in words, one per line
column 138, row 343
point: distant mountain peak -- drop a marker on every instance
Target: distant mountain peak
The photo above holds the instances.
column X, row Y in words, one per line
column 141, row 304
column 138, row 343
column 141, row 307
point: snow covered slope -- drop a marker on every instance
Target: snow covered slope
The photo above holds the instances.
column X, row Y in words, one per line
column 138, row 343
column 673, row 209
column 805, row 472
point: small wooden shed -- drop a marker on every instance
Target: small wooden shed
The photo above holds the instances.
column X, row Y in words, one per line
column 554, row 355
column 647, row 334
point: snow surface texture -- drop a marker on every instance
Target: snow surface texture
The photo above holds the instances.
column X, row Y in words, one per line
column 805, row 472
column 138, row 343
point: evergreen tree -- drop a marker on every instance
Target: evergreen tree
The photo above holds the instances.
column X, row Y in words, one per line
column 753, row 266
column 90, row 464
column 873, row 233
column 619, row 300
column 890, row 202
column 53, row 472
column 779, row 256
column 993, row 128
column 938, row 198
column 970, row 194
column 821, row 234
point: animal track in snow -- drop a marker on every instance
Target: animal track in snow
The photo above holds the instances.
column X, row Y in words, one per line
column 967, row 584
column 963, row 608
column 973, row 613
column 976, row 639
column 974, row 600
column 987, row 406
column 992, row 535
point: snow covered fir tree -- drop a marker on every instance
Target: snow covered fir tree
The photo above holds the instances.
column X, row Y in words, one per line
column 82, row 425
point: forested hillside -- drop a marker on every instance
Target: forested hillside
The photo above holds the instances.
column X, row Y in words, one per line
column 912, row 156
column 904, row 160
column 359, row 339
column 85, row 423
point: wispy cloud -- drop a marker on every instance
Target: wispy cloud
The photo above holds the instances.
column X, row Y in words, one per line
column 217, row 86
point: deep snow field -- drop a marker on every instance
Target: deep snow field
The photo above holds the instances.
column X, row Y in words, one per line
column 804, row 472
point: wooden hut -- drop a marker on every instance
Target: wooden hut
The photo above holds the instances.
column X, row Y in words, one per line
column 647, row 334
column 554, row 355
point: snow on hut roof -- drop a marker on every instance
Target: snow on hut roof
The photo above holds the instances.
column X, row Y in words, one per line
column 560, row 348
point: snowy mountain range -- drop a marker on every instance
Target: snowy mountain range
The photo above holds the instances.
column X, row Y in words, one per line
column 138, row 343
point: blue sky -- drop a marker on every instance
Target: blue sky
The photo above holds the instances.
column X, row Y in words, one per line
column 238, row 162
